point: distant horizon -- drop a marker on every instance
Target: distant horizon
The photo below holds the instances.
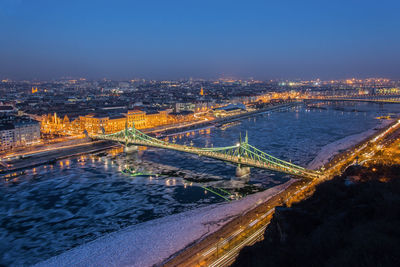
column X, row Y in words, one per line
column 3, row 79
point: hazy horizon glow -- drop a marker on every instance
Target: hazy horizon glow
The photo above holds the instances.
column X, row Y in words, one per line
column 46, row 39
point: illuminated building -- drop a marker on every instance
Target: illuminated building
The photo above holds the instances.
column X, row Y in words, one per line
column 27, row 132
column 6, row 136
column 155, row 119
column 138, row 117
column 388, row 91
column 21, row 131
column 93, row 123
column 229, row 110
column 96, row 123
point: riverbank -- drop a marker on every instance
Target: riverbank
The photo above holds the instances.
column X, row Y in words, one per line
column 152, row 242
column 43, row 154
column 51, row 156
column 167, row 130
column 354, row 216
column 328, row 152
column 156, row 241
column 211, row 237
column 222, row 253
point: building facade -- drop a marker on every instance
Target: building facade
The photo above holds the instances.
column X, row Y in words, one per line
column 27, row 132
column 96, row 123
column 21, row 131
column 6, row 136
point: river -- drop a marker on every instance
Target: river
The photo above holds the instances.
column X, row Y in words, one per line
column 52, row 208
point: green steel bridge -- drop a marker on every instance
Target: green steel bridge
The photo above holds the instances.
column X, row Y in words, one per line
column 243, row 154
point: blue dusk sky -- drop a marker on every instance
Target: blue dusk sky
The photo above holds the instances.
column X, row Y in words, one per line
column 168, row 39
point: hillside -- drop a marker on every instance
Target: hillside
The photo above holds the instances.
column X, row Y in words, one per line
column 351, row 220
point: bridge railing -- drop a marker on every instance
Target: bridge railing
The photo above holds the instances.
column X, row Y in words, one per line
column 242, row 153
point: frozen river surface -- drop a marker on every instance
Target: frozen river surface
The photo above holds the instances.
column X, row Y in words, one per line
column 54, row 208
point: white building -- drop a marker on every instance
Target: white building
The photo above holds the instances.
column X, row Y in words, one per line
column 19, row 132
column 27, row 132
column 6, row 136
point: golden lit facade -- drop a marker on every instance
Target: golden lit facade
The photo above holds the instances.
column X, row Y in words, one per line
column 94, row 124
column 138, row 118
column 221, row 113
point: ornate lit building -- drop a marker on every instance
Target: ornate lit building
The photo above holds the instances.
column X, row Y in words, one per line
column 93, row 123
column 138, row 117
column 97, row 123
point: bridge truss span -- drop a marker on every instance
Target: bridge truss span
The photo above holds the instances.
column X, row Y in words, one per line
column 242, row 153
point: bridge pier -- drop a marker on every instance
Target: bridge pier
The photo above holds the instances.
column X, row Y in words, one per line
column 243, row 154
column 242, row 171
column 129, row 149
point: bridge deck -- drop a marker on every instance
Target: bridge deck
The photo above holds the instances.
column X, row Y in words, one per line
column 212, row 153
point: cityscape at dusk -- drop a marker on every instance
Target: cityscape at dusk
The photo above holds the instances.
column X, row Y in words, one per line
column 199, row 133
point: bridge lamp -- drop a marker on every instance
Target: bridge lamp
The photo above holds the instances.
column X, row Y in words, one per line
column 238, row 144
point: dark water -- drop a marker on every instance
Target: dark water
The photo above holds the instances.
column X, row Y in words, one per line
column 53, row 208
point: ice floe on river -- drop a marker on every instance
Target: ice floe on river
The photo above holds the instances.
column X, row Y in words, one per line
column 154, row 241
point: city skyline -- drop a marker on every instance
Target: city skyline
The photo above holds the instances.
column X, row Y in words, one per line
column 172, row 40
column 199, row 133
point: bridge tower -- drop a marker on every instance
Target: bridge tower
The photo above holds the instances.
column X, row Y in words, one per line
column 128, row 148
column 240, row 169
column 243, row 154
